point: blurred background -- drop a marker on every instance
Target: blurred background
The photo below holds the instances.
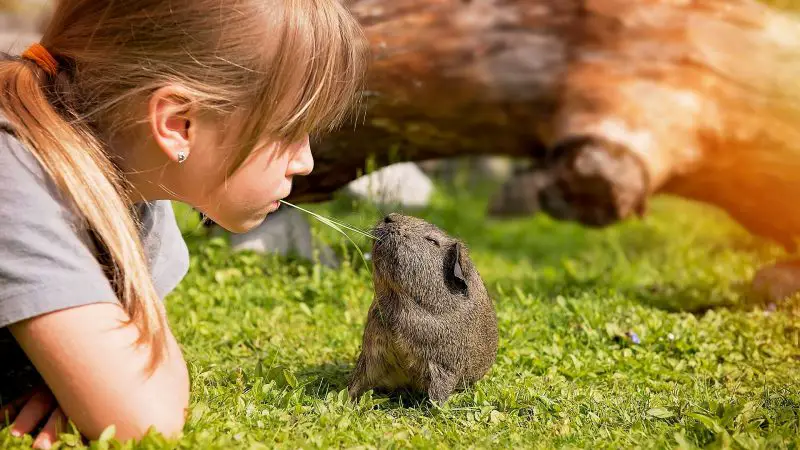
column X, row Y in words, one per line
column 485, row 200
column 490, row 201
column 271, row 320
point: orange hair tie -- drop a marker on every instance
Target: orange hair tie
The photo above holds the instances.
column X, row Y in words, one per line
column 43, row 58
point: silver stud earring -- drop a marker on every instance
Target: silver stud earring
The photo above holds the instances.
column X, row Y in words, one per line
column 181, row 157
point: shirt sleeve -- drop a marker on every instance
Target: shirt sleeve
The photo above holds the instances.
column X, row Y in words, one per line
column 47, row 261
column 163, row 245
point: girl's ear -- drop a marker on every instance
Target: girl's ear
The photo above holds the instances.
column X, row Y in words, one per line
column 171, row 118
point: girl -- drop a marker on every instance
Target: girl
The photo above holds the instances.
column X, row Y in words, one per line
column 123, row 107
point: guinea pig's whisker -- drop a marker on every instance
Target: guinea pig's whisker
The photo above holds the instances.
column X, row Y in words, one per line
column 328, row 219
column 357, row 230
column 337, row 227
column 352, row 228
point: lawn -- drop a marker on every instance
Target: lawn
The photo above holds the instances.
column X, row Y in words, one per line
column 270, row 341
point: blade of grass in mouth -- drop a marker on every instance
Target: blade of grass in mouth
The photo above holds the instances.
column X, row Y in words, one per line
column 338, row 227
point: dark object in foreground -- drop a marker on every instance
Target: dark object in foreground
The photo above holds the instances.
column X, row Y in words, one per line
column 432, row 326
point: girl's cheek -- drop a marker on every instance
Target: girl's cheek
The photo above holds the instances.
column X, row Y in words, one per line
column 265, row 184
column 261, row 180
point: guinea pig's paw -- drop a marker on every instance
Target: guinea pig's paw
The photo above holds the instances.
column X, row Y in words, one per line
column 443, row 383
column 356, row 388
column 439, row 401
column 778, row 282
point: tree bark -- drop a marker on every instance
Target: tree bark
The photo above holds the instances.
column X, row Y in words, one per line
column 616, row 100
column 619, row 99
column 449, row 78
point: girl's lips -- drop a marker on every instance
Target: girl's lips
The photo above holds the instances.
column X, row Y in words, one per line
column 274, row 206
column 269, row 209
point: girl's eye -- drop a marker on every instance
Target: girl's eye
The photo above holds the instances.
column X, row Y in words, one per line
column 433, row 240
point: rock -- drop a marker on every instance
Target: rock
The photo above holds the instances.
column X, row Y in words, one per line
column 519, row 196
column 476, row 168
column 494, row 167
column 402, row 185
column 284, row 232
column 778, row 282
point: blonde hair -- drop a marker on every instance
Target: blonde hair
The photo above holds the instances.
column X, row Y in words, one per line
column 291, row 66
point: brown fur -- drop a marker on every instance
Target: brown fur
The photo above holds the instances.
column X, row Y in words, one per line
column 426, row 330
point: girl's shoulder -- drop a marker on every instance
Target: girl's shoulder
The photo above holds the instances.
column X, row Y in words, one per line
column 48, row 260
column 18, row 163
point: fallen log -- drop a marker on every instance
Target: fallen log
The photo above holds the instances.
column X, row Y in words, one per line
column 449, row 78
column 620, row 99
column 615, row 100
column 704, row 97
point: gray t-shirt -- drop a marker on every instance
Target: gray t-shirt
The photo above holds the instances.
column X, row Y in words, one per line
column 48, row 261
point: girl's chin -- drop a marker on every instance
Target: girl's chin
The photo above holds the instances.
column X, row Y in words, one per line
column 243, row 225
column 259, row 218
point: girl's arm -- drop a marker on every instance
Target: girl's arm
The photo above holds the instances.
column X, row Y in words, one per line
column 98, row 376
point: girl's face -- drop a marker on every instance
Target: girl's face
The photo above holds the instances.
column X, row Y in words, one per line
column 236, row 199
column 239, row 200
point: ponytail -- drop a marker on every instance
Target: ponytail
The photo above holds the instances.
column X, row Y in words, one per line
column 35, row 101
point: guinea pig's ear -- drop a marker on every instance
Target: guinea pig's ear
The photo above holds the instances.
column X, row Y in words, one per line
column 458, row 271
column 459, row 274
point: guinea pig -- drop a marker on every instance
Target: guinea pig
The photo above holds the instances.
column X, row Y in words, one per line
column 432, row 327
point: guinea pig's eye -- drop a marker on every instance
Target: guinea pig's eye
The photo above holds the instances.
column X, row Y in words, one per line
column 433, row 240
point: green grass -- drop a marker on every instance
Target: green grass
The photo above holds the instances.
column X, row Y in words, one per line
column 270, row 341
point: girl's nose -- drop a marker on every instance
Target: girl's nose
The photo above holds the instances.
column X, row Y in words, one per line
column 302, row 162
